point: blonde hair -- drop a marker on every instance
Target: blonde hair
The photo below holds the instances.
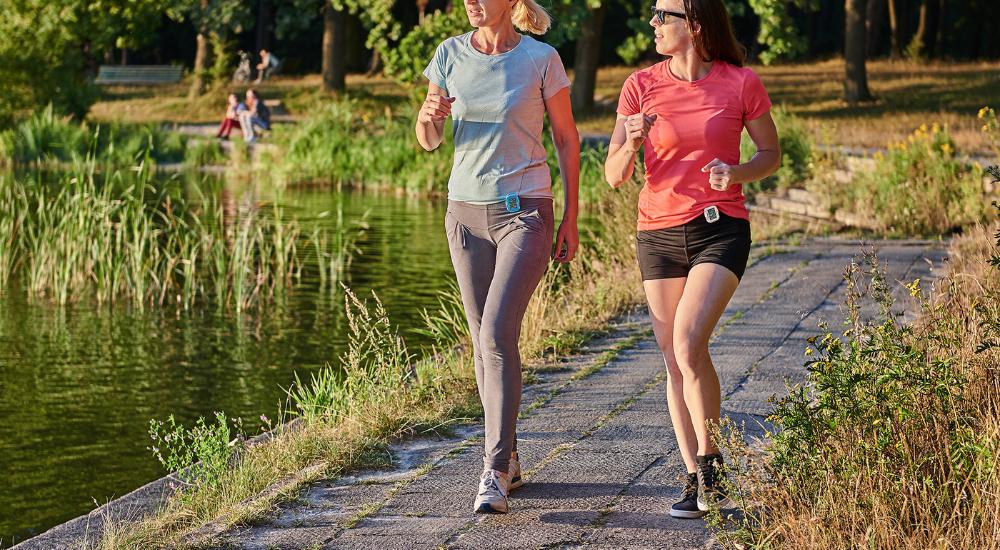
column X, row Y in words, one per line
column 528, row 16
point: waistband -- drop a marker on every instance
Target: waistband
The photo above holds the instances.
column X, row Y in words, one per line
column 526, row 204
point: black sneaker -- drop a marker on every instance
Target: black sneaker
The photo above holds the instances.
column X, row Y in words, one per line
column 687, row 507
column 710, row 480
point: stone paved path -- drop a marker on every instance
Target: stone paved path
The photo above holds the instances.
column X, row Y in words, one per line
column 602, row 466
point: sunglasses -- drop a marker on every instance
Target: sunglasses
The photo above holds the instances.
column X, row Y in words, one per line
column 661, row 15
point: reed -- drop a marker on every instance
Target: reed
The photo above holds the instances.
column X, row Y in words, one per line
column 126, row 237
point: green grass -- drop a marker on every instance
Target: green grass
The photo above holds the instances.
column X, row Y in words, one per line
column 894, row 440
column 47, row 139
column 125, row 237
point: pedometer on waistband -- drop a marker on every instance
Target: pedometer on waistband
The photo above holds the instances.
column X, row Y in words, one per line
column 712, row 214
column 512, row 202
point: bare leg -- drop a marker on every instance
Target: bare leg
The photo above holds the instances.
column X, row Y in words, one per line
column 707, row 292
column 663, row 296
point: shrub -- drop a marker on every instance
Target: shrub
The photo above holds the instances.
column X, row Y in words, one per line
column 917, row 188
column 797, row 154
column 199, row 455
column 894, row 441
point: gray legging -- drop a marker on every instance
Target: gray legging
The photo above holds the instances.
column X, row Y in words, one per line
column 499, row 257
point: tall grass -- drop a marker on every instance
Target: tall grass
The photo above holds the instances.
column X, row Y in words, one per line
column 895, row 440
column 343, row 143
column 918, row 187
column 47, row 138
column 125, row 237
column 375, row 391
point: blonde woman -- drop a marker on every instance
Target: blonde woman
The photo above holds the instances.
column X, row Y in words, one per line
column 498, row 85
column 693, row 241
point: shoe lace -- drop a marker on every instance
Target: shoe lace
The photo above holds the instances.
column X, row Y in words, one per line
column 707, row 473
column 691, row 489
column 491, row 483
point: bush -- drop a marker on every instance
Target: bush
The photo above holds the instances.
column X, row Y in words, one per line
column 917, row 188
column 199, row 455
column 797, row 155
column 48, row 137
column 894, row 441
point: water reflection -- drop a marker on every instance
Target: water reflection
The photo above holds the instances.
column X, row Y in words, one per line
column 79, row 384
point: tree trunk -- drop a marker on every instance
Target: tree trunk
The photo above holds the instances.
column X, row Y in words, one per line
column 421, row 11
column 334, row 53
column 855, row 74
column 874, row 21
column 588, row 53
column 895, row 32
column 933, row 22
column 265, row 18
column 375, row 65
column 124, row 57
column 200, row 60
column 917, row 46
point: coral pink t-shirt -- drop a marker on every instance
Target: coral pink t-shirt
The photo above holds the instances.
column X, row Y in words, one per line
column 695, row 123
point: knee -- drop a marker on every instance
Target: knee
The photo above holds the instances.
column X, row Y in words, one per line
column 497, row 342
column 690, row 356
column 673, row 371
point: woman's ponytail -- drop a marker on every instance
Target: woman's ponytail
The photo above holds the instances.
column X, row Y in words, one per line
column 528, row 16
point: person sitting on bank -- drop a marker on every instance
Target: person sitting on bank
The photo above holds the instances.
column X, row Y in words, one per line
column 234, row 107
column 268, row 66
column 257, row 115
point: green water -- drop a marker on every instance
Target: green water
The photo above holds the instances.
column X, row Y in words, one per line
column 79, row 384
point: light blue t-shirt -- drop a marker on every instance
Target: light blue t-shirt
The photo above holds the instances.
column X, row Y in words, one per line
column 498, row 115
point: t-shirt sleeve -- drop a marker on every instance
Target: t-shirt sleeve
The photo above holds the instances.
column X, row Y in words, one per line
column 435, row 70
column 756, row 102
column 628, row 101
column 554, row 76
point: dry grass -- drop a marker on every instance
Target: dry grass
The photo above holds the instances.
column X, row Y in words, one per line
column 895, row 444
column 909, row 94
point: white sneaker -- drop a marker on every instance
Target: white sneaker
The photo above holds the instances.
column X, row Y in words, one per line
column 514, row 471
column 492, row 497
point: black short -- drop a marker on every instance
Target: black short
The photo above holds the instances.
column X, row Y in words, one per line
column 672, row 252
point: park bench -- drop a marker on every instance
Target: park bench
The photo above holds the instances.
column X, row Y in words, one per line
column 139, row 74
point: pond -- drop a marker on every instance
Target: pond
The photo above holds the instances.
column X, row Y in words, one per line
column 79, row 384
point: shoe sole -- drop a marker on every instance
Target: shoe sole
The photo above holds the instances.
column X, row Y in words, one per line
column 685, row 514
column 485, row 508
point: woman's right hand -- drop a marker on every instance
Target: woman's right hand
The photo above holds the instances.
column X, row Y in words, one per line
column 436, row 108
column 636, row 129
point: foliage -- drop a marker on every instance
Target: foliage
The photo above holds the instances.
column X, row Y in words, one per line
column 342, row 144
column 917, row 187
column 797, row 161
column 48, row 137
column 407, row 61
column 991, row 128
column 199, row 455
column 778, row 34
column 898, row 424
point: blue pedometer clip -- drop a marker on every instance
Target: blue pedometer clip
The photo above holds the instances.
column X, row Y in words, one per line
column 512, row 202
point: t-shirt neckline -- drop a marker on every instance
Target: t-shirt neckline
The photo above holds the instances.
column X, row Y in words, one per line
column 468, row 44
column 671, row 76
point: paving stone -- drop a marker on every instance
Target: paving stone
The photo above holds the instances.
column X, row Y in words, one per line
column 599, row 455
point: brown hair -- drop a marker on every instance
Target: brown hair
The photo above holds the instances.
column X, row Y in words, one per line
column 528, row 16
column 716, row 39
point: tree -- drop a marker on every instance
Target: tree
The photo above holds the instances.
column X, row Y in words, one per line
column 209, row 17
column 48, row 47
column 777, row 29
column 855, row 73
column 334, row 61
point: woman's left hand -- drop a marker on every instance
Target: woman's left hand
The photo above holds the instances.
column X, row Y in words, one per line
column 567, row 241
column 720, row 175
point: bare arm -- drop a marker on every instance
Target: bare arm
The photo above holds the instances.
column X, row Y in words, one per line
column 430, row 120
column 567, row 142
column 629, row 134
column 764, row 162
